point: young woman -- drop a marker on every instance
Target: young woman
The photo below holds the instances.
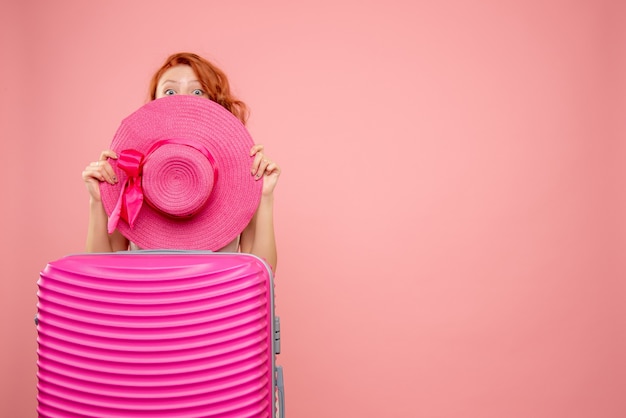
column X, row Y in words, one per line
column 190, row 74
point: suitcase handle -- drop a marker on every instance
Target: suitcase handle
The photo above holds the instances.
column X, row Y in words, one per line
column 280, row 384
column 165, row 251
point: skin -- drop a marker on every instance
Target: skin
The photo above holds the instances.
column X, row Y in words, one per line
column 257, row 238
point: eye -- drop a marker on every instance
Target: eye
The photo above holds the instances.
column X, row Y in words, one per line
column 169, row 92
column 198, row 92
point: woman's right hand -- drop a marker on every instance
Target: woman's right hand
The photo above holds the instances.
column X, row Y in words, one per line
column 98, row 171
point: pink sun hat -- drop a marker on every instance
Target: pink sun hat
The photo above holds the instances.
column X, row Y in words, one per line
column 183, row 173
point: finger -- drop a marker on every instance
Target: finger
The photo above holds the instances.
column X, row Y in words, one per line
column 92, row 173
column 262, row 166
column 94, row 170
column 256, row 164
column 256, row 148
column 109, row 173
column 106, row 172
column 86, row 175
column 101, row 171
column 107, row 154
column 272, row 168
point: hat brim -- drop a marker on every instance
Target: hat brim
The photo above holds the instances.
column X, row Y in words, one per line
column 235, row 195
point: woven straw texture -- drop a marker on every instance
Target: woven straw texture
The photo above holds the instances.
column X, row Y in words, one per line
column 204, row 214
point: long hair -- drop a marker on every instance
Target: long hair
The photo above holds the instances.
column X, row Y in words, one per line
column 213, row 81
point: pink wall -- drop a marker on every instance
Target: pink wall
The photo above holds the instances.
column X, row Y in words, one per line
column 451, row 213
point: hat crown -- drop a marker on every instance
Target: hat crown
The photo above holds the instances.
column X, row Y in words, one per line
column 177, row 180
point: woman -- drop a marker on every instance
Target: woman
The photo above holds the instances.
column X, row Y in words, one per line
column 190, row 74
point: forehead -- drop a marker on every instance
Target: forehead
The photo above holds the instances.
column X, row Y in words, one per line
column 179, row 73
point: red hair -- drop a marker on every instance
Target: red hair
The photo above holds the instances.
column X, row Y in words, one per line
column 213, row 81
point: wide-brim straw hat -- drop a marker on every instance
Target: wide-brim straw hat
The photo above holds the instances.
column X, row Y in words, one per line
column 184, row 179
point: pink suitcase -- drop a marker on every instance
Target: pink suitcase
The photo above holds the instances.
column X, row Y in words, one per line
column 158, row 334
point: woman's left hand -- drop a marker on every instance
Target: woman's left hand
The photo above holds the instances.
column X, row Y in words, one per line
column 264, row 168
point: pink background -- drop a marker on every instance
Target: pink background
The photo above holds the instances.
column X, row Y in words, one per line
column 451, row 215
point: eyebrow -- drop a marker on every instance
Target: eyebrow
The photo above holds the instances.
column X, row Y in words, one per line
column 176, row 82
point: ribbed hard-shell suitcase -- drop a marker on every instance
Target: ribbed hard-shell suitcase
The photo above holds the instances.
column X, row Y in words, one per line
column 158, row 334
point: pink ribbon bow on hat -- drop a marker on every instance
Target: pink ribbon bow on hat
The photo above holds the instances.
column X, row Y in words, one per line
column 131, row 196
